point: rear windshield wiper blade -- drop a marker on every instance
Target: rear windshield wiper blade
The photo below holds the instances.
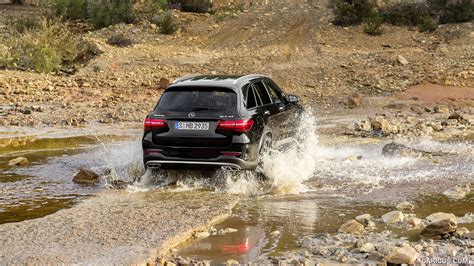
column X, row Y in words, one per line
column 203, row 108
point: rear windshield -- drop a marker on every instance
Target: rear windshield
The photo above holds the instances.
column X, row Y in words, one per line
column 197, row 99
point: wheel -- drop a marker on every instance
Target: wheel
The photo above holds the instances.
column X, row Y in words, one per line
column 265, row 149
column 266, row 145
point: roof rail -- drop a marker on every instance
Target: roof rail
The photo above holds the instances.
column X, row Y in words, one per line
column 248, row 77
column 185, row 78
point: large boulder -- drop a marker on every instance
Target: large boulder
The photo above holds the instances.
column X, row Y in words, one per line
column 351, row 227
column 438, row 216
column 403, row 255
column 86, row 177
column 439, row 229
column 18, row 161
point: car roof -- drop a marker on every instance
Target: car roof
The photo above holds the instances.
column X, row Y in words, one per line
column 228, row 81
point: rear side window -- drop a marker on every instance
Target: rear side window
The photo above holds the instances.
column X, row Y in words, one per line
column 251, row 100
column 197, row 99
column 262, row 92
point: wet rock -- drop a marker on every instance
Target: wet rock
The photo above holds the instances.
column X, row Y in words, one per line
column 364, row 125
column 203, row 234
column 396, row 149
column 363, row 218
column 351, row 227
column 456, row 116
column 402, row 60
column 403, row 255
column 393, row 217
column 382, row 125
column 86, row 177
column 439, row 229
column 405, row 206
column 441, row 109
column 355, row 100
column 456, row 192
column 229, row 230
column 461, row 231
column 413, row 221
column 274, row 233
column 367, row 248
column 353, row 158
column 438, row 216
column 18, row 161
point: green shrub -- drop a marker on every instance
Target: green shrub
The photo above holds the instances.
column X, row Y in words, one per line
column 71, row 9
column 105, row 13
column 350, row 12
column 150, row 8
column 450, row 11
column 373, row 23
column 168, row 24
column 43, row 50
column 21, row 24
column 120, row 40
column 427, row 23
column 198, row 6
column 405, row 14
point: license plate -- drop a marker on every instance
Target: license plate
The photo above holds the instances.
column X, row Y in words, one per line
column 192, row 125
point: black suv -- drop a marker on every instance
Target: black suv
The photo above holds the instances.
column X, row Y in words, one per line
column 217, row 121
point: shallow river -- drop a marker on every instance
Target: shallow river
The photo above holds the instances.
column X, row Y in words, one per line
column 308, row 185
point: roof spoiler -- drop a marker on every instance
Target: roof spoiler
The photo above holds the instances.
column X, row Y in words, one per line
column 186, row 78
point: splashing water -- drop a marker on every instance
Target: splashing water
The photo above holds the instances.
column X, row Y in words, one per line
column 288, row 166
column 294, row 161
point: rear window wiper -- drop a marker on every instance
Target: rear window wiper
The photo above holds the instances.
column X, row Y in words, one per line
column 203, row 108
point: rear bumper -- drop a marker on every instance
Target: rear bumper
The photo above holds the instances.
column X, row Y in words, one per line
column 158, row 160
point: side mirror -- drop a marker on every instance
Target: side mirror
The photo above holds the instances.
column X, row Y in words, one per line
column 292, row 99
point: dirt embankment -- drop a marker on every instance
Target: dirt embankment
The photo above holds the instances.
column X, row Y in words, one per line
column 292, row 41
column 113, row 228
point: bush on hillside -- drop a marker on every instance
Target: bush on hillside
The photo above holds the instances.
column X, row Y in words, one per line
column 71, row 9
column 120, row 40
column 373, row 23
column 43, row 50
column 21, row 24
column 350, row 12
column 168, row 24
column 452, row 11
column 405, row 14
column 109, row 12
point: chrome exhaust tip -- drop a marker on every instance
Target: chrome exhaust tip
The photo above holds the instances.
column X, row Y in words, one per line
column 153, row 165
column 230, row 168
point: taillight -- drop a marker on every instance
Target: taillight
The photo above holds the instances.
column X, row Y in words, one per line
column 240, row 126
column 153, row 123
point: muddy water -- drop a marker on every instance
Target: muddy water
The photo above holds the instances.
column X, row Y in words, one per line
column 312, row 185
column 45, row 185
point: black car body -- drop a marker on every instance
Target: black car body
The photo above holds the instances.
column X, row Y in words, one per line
column 217, row 121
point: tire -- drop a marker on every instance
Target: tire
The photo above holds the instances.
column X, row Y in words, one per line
column 266, row 145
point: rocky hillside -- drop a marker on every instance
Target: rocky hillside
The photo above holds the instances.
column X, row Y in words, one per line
column 292, row 41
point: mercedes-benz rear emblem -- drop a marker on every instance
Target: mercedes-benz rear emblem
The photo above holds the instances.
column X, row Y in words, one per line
column 192, row 114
